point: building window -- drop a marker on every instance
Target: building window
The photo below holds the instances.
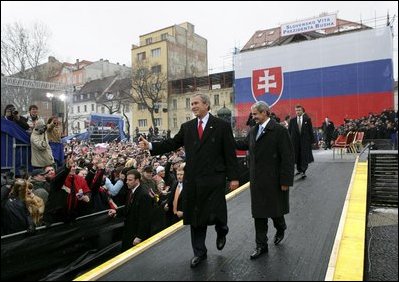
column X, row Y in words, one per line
column 88, row 96
column 78, row 109
column 148, row 40
column 72, row 110
column 156, row 69
column 188, row 118
column 141, row 56
column 164, row 36
column 81, row 96
column 85, row 106
column 216, row 100
column 142, row 123
column 174, row 104
column 158, row 122
column 102, row 110
column 141, row 106
column 174, row 122
column 78, row 125
column 156, row 52
column 92, row 107
column 188, row 104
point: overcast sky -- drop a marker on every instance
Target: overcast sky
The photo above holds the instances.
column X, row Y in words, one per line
column 91, row 31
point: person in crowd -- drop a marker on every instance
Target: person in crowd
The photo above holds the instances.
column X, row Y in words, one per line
column 32, row 117
column 41, row 151
column 11, row 114
column 286, row 121
column 56, row 209
column 53, row 130
column 302, row 137
column 174, row 205
column 41, row 187
column 328, row 129
column 271, row 174
column 250, row 121
column 210, row 160
column 149, row 183
column 15, row 215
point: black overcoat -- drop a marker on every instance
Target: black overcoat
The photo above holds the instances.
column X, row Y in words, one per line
column 271, row 164
column 303, row 141
column 209, row 162
column 137, row 214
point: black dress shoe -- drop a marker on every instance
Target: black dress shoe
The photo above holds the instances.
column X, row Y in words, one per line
column 220, row 242
column 278, row 237
column 196, row 260
column 298, row 172
column 258, row 251
column 303, row 175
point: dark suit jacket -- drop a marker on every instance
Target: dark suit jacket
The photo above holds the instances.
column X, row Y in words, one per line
column 303, row 141
column 209, row 162
column 138, row 213
column 271, row 165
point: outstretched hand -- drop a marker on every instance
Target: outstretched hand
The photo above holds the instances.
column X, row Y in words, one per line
column 143, row 143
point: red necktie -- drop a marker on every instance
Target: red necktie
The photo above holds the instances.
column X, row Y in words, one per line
column 200, row 129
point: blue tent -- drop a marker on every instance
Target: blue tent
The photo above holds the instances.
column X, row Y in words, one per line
column 105, row 127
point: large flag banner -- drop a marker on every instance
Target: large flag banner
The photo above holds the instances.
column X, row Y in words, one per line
column 347, row 75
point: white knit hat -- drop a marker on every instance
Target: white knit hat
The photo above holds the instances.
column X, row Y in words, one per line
column 160, row 168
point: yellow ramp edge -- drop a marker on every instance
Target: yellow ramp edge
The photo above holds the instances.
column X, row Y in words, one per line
column 347, row 257
column 113, row 263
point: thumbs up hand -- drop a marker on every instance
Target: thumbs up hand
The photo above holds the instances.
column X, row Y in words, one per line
column 143, row 143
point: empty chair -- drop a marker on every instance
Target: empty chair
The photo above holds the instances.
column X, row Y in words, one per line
column 343, row 142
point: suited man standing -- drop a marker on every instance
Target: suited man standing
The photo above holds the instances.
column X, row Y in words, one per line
column 302, row 137
column 137, row 212
column 328, row 131
column 271, row 171
column 210, row 160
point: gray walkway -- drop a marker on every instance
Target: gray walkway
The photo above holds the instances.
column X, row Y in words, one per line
column 316, row 204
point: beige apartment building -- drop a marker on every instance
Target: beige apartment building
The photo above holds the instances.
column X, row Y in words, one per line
column 177, row 52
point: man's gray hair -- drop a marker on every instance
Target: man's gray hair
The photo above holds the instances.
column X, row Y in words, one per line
column 204, row 98
column 261, row 106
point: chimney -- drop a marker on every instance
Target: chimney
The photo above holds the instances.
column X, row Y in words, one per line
column 117, row 63
column 77, row 64
column 101, row 60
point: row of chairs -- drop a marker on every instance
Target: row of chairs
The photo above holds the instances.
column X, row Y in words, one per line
column 351, row 142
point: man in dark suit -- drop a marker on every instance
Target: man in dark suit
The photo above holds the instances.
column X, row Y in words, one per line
column 328, row 131
column 138, row 210
column 302, row 137
column 210, row 160
column 271, row 173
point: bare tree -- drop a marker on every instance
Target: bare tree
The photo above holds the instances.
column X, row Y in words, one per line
column 117, row 98
column 22, row 51
column 149, row 85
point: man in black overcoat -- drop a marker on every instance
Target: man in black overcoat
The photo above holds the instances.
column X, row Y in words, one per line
column 210, row 161
column 138, row 211
column 328, row 132
column 302, row 137
column 271, row 171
